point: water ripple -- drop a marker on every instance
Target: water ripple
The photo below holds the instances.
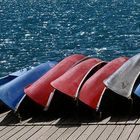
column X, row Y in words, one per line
column 34, row 31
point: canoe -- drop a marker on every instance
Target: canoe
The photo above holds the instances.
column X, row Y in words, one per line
column 123, row 80
column 12, row 93
column 93, row 89
column 41, row 91
column 137, row 91
column 11, row 76
column 70, row 82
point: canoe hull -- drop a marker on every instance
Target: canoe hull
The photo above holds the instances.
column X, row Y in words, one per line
column 70, row 81
column 10, row 77
column 93, row 89
column 123, row 80
column 13, row 92
column 41, row 90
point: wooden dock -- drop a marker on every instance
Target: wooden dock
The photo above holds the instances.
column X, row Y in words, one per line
column 52, row 126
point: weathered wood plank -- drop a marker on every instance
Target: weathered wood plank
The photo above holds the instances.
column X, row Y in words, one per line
column 30, row 133
column 21, row 132
column 40, row 121
column 106, row 133
column 123, row 120
column 35, row 129
column 119, row 128
column 111, row 125
column 5, row 113
column 67, row 133
column 6, row 130
column 132, row 120
column 138, row 121
column 2, row 127
column 48, row 133
column 63, row 127
column 98, row 131
column 116, row 133
column 105, row 121
column 59, row 132
column 135, row 133
column 113, row 120
column 14, row 129
column 4, row 120
column 40, row 132
column 87, row 132
column 12, row 132
column 78, row 132
column 126, row 132
column 45, row 126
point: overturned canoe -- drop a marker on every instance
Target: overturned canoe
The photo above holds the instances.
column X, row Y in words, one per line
column 93, row 89
column 137, row 90
column 12, row 93
column 41, row 91
column 123, row 80
column 8, row 78
column 71, row 81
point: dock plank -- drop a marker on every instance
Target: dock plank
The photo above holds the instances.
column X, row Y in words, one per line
column 78, row 132
column 68, row 132
column 116, row 133
column 11, row 133
column 123, row 120
column 132, row 120
column 138, row 121
column 62, row 127
column 36, row 127
column 4, row 113
column 12, row 129
column 54, row 127
column 2, row 127
column 104, row 121
column 6, row 130
column 15, row 129
column 40, row 132
column 135, row 133
column 87, row 132
column 29, row 133
column 21, row 132
column 69, row 127
column 126, row 132
column 106, row 133
column 4, row 120
column 57, row 134
column 46, row 126
column 98, row 131
column 48, row 133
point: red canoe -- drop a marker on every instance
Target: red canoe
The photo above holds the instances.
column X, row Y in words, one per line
column 41, row 90
column 93, row 89
column 70, row 82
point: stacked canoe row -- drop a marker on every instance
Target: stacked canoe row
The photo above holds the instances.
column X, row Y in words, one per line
column 79, row 77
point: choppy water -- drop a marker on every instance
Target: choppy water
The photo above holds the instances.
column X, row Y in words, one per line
column 33, row 31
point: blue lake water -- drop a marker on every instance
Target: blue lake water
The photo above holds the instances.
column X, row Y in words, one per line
column 34, row 31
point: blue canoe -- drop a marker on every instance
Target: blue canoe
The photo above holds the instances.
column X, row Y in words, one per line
column 137, row 90
column 11, row 76
column 12, row 93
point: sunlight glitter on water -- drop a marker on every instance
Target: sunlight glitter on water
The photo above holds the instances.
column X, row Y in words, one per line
column 35, row 31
